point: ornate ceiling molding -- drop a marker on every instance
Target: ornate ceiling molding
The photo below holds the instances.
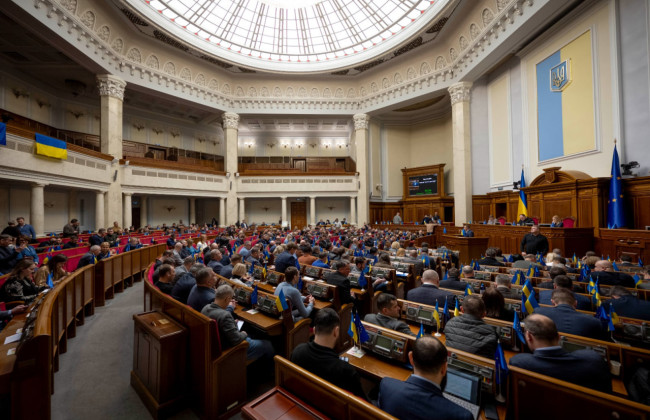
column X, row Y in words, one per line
column 108, row 50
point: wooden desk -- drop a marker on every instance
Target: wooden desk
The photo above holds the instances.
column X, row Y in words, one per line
column 468, row 248
column 270, row 326
column 318, row 304
column 7, row 361
column 279, row 404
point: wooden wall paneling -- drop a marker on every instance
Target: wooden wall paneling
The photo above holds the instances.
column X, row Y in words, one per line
column 613, row 242
column 637, row 194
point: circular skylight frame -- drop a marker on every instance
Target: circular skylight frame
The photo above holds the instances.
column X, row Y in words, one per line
column 413, row 17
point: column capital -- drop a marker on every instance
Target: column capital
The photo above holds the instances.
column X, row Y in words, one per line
column 230, row 120
column 127, row 194
column 284, row 197
column 460, row 92
column 39, row 185
column 110, row 85
column 361, row 121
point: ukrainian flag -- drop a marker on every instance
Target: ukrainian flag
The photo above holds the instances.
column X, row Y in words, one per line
column 281, row 302
column 565, row 100
column 456, row 309
column 468, row 289
column 421, row 332
column 436, row 316
column 522, row 207
column 48, row 146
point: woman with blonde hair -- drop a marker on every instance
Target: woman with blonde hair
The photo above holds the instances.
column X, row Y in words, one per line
column 556, row 222
column 240, row 275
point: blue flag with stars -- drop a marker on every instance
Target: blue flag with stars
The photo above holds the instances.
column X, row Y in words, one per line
column 615, row 210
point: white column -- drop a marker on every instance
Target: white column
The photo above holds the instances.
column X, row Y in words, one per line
column 192, row 217
column 37, row 209
column 231, row 132
column 99, row 210
column 111, row 91
column 222, row 212
column 462, row 161
column 284, row 210
column 128, row 209
column 144, row 208
column 353, row 211
column 312, row 211
column 361, row 144
column 72, row 205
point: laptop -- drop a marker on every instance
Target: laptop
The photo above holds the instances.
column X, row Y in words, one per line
column 464, row 389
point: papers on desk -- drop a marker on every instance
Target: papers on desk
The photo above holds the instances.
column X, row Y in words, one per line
column 11, row 352
column 356, row 352
column 252, row 311
column 240, row 324
column 308, row 278
column 13, row 338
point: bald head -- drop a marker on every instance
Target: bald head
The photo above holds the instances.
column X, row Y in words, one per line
column 430, row 277
column 540, row 332
column 603, row 265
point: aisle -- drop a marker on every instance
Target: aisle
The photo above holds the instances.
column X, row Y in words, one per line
column 93, row 380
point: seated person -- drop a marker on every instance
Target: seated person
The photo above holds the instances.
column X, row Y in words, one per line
column 468, row 272
column 359, row 265
column 420, row 396
column 556, row 221
column 203, row 292
column 565, row 282
column 185, row 283
column 105, row 251
column 605, row 274
column 388, row 316
column 8, row 254
column 429, row 293
column 383, row 261
column 215, row 261
column 97, row 238
column 524, row 220
column 627, row 305
column 453, row 281
column 529, row 259
column 495, row 305
column 5, row 316
column 73, row 242
column 581, row 367
column 318, row 356
column 627, row 264
column 412, row 258
column 339, row 278
column 112, row 237
column 570, row 321
column 293, row 295
column 188, row 262
column 221, row 310
column 134, row 243
column 226, row 270
column 28, row 251
column 504, row 286
column 165, row 279
column 468, row 332
column 20, row 284
column 307, row 258
column 490, row 258
column 321, row 262
column 240, row 275
column 553, row 272
column 91, row 257
column 54, row 270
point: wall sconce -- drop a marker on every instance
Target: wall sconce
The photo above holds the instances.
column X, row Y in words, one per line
column 326, row 145
column 42, row 102
column 201, row 139
column 285, row 145
column 20, row 93
column 170, row 208
column 49, row 205
column 157, row 130
column 76, row 114
column 331, row 207
column 175, row 132
column 271, row 145
column 313, row 145
column 249, row 145
column 266, row 209
column 299, row 145
column 138, row 126
column 227, row 174
column 236, row 174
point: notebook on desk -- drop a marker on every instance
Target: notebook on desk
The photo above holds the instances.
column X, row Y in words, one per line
column 464, row 389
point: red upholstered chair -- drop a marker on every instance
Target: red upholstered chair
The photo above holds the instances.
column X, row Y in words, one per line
column 502, row 220
column 535, row 220
column 569, row 222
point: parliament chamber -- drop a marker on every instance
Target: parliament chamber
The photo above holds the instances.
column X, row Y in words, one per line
column 342, row 125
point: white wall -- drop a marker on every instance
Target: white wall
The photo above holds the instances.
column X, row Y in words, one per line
column 341, row 208
column 206, row 209
column 255, row 212
column 56, row 210
column 158, row 213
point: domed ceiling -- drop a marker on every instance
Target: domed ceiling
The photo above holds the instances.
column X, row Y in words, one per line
column 305, row 36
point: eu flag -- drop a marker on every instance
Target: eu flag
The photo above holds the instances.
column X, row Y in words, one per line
column 615, row 211
column 500, row 364
column 254, row 296
column 3, row 134
column 516, row 325
column 522, row 207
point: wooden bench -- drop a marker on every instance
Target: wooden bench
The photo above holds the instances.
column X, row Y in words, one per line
column 217, row 378
column 311, row 395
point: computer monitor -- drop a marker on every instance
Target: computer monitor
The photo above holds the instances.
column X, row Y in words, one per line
column 424, row 314
column 312, row 272
column 464, row 385
column 383, row 343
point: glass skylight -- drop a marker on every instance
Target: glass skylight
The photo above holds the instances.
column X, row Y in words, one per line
column 280, row 34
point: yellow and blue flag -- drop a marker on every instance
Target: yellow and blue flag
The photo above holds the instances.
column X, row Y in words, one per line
column 518, row 278
column 522, row 206
column 613, row 316
column 468, row 290
column 615, row 267
column 356, row 329
column 456, row 309
column 436, row 316
column 421, row 332
column 615, row 210
column 281, row 302
column 48, row 146
column 637, row 281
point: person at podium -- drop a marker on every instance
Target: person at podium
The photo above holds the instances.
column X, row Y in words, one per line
column 466, row 231
column 420, row 396
column 397, row 219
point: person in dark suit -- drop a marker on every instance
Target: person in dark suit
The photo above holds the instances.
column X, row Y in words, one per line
column 90, row 257
column 420, row 396
column 524, row 220
column 534, row 242
column 466, row 231
column 504, row 286
column 98, row 237
column 490, row 258
column 388, row 316
column 429, row 293
column 453, row 281
column 319, row 357
column 582, row 367
column 605, row 274
column 564, row 282
column 287, row 258
column 570, row 321
column 340, row 279
column 412, row 258
column 203, row 292
column 553, row 272
column 629, row 306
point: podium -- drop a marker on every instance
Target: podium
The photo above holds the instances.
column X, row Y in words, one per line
column 468, row 248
